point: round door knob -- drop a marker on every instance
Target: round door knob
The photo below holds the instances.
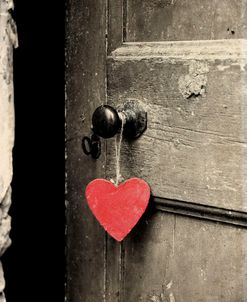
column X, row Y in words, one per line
column 106, row 121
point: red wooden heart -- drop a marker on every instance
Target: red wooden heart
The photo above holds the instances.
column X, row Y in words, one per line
column 118, row 209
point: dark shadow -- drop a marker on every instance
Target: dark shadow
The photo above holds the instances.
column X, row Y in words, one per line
column 138, row 232
column 34, row 264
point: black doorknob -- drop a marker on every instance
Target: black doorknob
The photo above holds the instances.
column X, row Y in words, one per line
column 107, row 121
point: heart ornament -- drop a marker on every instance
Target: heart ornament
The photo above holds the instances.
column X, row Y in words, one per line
column 118, row 208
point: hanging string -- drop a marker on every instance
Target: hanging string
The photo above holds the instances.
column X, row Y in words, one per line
column 118, row 142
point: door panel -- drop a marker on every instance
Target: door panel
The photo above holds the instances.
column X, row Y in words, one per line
column 191, row 77
column 174, row 20
column 175, row 258
column 195, row 95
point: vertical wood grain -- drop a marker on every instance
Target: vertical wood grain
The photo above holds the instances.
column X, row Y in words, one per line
column 85, row 90
column 175, row 258
column 115, row 24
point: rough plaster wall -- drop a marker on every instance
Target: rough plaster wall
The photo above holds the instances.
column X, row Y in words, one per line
column 8, row 39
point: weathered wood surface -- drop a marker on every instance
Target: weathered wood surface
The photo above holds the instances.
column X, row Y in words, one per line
column 195, row 99
column 174, row 258
column 115, row 22
column 173, row 20
column 85, row 89
column 8, row 40
column 195, row 145
column 114, row 270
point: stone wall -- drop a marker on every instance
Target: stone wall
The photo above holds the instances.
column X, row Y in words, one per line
column 8, row 40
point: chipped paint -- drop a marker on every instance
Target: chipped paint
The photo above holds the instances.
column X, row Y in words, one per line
column 194, row 83
column 169, row 285
column 171, row 297
column 164, row 296
column 223, row 67
column 154, row 298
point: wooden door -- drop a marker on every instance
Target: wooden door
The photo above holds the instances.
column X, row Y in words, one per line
column 186, row 62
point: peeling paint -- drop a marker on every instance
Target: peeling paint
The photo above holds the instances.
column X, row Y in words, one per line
column 172, row 298
column 165, row 295
column 169, row 285
column 154, row 298
column 194, row 83
column 223, row 67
